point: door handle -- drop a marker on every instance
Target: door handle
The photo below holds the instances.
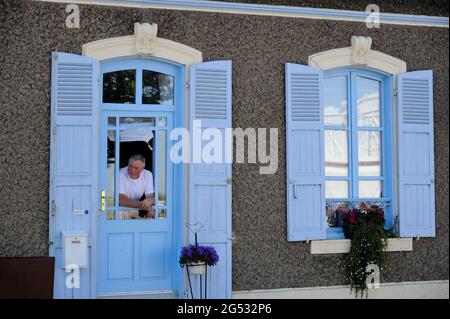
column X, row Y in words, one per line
column 103, row 201
column 294, row 187
column 295, row 191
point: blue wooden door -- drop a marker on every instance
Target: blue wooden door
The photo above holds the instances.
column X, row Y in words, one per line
column 135, row 253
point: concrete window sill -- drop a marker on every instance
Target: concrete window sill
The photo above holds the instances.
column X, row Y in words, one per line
column 342, row 246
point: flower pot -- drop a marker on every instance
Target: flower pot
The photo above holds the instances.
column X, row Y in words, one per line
column 198, row 268
column 349, row 229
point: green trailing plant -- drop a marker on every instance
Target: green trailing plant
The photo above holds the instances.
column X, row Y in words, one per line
column 368, row 247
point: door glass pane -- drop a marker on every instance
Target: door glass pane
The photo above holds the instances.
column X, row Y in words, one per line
column 111, row 121
column 336, row 153
column 150, row 121
column 336, row 189
column 368, row 94
column 110, row 215
column 369, row 153
column 119, row 86
column 110, row 170
column 162, row 166
column 162, row 121
column 335, row 112
column 162, row 214
column 157, row 88
column 135, row 134
column 369, row 189
column 134, row 214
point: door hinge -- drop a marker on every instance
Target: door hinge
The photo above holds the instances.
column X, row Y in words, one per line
column 53, row 208
column 188, row 85
column 395, row 92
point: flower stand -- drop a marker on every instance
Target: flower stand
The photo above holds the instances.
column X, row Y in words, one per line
column 198, row 269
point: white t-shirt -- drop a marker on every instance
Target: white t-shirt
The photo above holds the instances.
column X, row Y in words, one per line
column 135, row 188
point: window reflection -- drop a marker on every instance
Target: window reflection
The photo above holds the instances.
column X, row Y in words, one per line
column 157, row 88
column 119, row 86
column 369, row 153
column 336, row 189
column 368, row 102
column 335, row 112
column 336, row 153
column 369, row 189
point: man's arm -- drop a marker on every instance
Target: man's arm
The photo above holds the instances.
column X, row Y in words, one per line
column 125, row 201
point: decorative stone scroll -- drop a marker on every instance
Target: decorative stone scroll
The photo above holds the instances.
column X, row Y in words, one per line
column 360, row 49
column 144, row 37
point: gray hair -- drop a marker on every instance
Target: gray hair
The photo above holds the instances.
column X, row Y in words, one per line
column 137, row 157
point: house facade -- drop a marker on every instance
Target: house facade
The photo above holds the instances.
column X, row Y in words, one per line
column 336, row 105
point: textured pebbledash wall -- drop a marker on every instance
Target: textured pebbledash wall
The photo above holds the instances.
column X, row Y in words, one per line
column 259, row 47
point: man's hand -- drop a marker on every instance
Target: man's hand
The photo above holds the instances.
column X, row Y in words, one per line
column 151, row 214
column 147, row 203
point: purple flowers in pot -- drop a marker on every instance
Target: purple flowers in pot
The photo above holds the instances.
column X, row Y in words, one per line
column 198, row 253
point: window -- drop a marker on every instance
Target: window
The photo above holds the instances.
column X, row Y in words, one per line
column 122, row 87
column 357, row 137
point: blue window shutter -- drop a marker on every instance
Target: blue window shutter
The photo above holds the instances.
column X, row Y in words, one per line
column 305, row 153
column 210, row 183
column 73, row 158
column 416, row 154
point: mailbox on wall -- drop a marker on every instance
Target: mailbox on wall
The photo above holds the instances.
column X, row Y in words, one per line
column 75, row 248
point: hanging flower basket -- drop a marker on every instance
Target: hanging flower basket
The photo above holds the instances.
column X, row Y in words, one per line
column 197, row 257
column 197, row 268
column 349, row 229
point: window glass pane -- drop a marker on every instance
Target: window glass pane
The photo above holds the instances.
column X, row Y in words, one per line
column 369, row 153
column 157, row 88
column 162, row 167
column 119, row 86
column 369, row 189
column 368, row 94
column 335, row 112
column 334, row 211
column 336, row 153
column 336, row 189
